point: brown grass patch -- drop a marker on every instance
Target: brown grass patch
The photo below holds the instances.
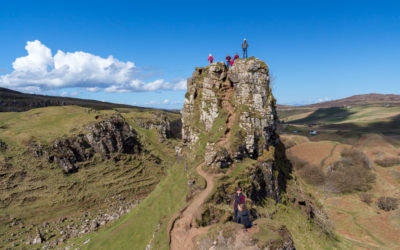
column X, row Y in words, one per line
column 366, row 198
column 352, row 172
column 312, row 152
column 293, row 140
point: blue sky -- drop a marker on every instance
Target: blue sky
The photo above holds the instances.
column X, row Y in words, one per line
column 316, row 50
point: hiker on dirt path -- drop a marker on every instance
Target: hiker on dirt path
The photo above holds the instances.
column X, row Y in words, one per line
column 243, row 216
column 210, row 58
column 238, row 199
column 228, row 59
column 244, row 47
column 236, row 56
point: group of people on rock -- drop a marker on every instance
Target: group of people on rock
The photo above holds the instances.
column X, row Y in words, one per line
column 241, row 214
column 229, row 60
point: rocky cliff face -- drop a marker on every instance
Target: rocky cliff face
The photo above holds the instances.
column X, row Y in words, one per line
column 111, row 135
column 251, row 100
column 230, row 115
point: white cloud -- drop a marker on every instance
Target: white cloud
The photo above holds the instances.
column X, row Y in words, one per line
column 41, row 70
column 93, row 89
column 66, row 93
column 165, row 102
column 180, row 85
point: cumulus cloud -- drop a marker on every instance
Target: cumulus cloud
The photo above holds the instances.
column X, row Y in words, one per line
column 163, row 102
column 40, row 70
column 93, row 89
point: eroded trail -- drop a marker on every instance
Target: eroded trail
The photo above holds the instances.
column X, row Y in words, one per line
column 183, row 227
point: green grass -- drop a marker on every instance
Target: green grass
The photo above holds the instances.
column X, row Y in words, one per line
column 268, row 232
column 44, row 124
column 135, row 230
column 306, row 235
column 37, row 191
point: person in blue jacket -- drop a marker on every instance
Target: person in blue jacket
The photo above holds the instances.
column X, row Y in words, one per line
column 243, row 217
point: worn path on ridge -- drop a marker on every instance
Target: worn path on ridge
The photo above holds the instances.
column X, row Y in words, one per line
column 183, row 227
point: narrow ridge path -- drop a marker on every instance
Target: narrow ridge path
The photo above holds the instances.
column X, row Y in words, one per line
column 182, row 227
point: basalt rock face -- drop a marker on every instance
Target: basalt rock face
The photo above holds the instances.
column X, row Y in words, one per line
column 258, row 117
column 112, row 135
column 251, row 100
column 230, row 115
column 201, row 106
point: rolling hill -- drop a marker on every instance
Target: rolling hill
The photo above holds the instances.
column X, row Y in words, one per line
column 14, row 101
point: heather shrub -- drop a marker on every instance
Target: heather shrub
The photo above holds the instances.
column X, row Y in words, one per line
column 387, row 203
column 353, row 172
column 366, row 198
column 388, row 161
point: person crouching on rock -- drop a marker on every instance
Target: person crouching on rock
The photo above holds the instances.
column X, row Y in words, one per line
column 236, row 56
column 243, row 216
column 228, row 60
column 238, row 199
column 210, row 58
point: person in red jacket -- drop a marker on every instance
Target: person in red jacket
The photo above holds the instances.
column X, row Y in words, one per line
column 236, row 56
column 239, row 198
column 231, row 62
column 228, row 60
column 210, row 58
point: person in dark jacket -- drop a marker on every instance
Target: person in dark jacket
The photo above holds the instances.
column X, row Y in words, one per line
column 243, row 216
column 244, row 47
column 228, row 60
column 236, row 56
column 239, row 198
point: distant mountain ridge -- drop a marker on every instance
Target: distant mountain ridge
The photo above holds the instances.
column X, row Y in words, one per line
column 14, row 101
column 352, row 100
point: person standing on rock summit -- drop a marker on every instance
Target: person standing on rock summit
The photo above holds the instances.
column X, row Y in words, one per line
column 228, row 60
column 238, row 199
column 244, row 47
column 210, row 58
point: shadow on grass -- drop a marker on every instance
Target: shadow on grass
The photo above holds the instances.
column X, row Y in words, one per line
column 325, row 115
column 384, row 127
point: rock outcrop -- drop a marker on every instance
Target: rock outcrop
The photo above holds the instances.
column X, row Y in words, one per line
column 230, row 114
column 252, row 101
column 232, row 236
column 166, row 127
column 112, row 135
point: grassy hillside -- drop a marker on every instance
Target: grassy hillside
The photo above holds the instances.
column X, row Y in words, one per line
column 343, row 122
column 359, row 214
column 35, row 191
